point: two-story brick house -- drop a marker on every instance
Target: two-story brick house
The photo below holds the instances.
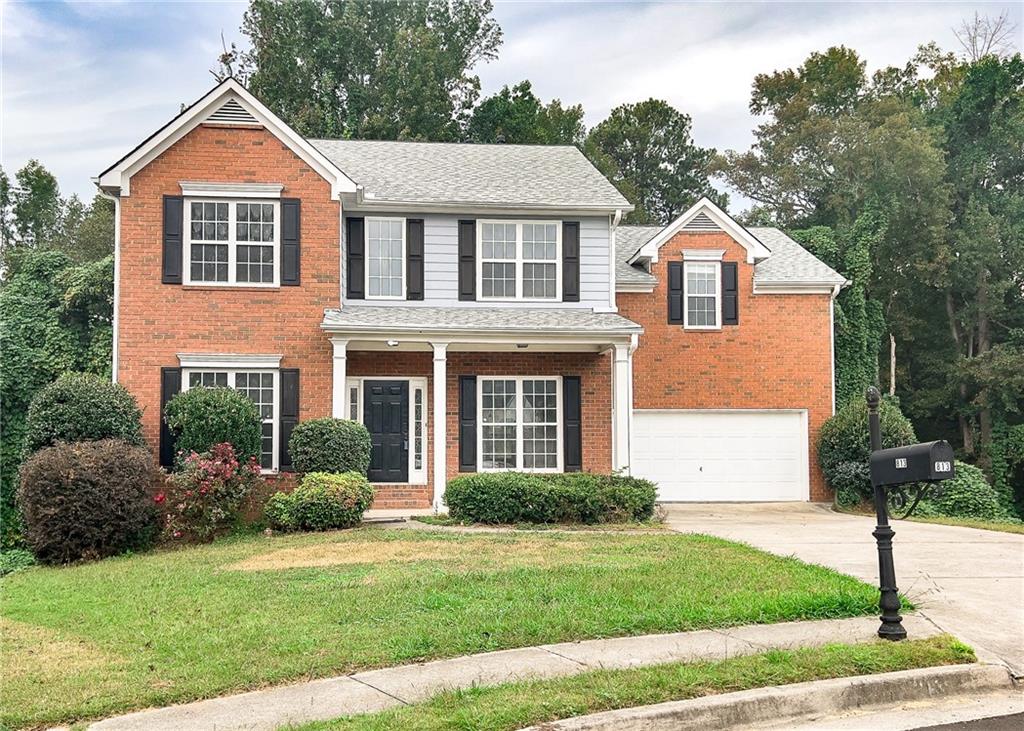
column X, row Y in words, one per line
column 478, row 307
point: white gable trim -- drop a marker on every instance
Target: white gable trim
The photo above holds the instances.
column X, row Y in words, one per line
column 118, row 176
column 755, row 249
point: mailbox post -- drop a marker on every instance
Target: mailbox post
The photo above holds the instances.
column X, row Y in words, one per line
column 918, row 465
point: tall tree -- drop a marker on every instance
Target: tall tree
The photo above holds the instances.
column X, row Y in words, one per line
column 516, row 115
column 370, row 69
column 647, row 151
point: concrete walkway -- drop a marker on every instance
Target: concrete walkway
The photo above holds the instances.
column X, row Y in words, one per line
column 969, row 582
column 374, row 690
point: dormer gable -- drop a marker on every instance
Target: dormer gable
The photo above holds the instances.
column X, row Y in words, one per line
column 229, row 104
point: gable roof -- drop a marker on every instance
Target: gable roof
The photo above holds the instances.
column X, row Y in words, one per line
column 458, row 174
column 705, row 216
column 227, row 103
column 628, row 239
column 789, row 266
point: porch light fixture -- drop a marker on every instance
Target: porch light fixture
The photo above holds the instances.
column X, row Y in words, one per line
column 392, row 343
column 522, row 346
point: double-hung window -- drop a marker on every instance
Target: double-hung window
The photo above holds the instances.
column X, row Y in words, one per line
column 385, row 257
column 519, row 260
column 232, row 242
column 519, row 424
column 259, row 385
column 702, row 294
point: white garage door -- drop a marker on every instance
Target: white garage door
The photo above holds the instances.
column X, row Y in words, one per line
column 719, row 456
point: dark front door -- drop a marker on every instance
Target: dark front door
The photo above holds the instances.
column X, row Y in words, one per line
column 386, row 415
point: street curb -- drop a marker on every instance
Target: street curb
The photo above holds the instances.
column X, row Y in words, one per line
column 798, row 702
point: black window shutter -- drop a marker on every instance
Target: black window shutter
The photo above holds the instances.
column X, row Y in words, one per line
column 355, row 259
column 414, row 258
column 730, row 294
column 288, row 415
column 572, row 424
column 467, row 423
column 291, row 227
column 675, row 293
column 571, row 261
column 467, row 261
column 170, row 384
column 174, row 220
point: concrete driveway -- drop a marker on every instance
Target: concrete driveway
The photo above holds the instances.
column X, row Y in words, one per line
column 969, row 582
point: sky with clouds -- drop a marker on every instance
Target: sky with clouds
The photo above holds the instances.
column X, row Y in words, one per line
column 82, row 83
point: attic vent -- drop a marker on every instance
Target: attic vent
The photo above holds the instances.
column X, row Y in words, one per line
column 701, row 222
column 232, row 113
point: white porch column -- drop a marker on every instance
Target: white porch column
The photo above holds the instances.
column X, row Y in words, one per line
column 338, row 399
column 622, row 377
column 440, row 422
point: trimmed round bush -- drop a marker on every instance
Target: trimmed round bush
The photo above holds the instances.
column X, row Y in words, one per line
column 968, row 495
column 323, row 501
column 82, row 407
column 88, row 500
column 844, row 439
column 330, row 445
column 203, row 417
column 574, row 497
column 278, row 511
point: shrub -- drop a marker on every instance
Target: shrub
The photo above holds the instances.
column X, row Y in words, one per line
column 323, row 501
column 82, row 407
column 88, row 500
column 330, row 445
column 844, row 439
column 15, row 559
column 278, row 511
column 203, row 417
column 968, row 495
column 574, row 497
column 204, row 497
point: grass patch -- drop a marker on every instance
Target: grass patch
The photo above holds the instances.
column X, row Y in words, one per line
column 248, row 611
column 1002, row 526
column 446, row 522
column 514, row 705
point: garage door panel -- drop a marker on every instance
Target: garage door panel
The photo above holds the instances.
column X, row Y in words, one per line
column 722, row 455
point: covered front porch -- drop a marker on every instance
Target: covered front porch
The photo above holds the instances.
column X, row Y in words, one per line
column 445, row 391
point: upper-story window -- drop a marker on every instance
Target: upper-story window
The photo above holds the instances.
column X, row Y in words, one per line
column 702, row 295
column 232, row 242
column 519, row 260
column 385, row 258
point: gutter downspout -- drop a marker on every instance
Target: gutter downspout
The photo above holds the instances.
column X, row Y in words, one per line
column 115, row 320
column 616, row 218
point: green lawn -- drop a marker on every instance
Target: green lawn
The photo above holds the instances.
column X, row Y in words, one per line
column 996, row 525
column 514, row 705
column 103, row 638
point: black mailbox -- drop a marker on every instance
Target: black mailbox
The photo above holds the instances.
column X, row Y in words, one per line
column 927, row 462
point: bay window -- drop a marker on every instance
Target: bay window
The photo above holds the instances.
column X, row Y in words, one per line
column 519, row 260
column 520, row 424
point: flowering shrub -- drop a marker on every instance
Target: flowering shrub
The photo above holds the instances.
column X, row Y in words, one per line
column 205, row 495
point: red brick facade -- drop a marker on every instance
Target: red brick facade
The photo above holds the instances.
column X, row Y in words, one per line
column 778, row 356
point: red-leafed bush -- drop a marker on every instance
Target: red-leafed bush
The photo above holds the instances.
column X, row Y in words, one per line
column 204, row 497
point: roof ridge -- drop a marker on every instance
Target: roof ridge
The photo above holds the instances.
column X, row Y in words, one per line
column 461, row 143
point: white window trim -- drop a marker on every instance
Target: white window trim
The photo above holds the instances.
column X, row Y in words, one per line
column 416, row 476
column 232, row 242
column 366, row 267
column 718, row 296
column 559, row 424
column 519, row 261
column 214, row 365
column 199, row 189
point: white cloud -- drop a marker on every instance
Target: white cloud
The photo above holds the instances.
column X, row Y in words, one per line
column 84, row 83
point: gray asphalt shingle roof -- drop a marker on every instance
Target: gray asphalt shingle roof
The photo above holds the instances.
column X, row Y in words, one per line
column 789, row 262
column 555, row 319
column 548, row 176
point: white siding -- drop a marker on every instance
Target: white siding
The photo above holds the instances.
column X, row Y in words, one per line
column 441, row 262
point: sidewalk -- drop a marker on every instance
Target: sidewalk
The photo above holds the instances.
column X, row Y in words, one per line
column 373, row 690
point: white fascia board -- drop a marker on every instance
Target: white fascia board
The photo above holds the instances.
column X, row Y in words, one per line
column 228, row 361
column 197, row 189
column 703, row 254
column 755, row 249
column 118, row 176
column 635, row 287
column 451, row 335
column 829, row 288
column 365, row 205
